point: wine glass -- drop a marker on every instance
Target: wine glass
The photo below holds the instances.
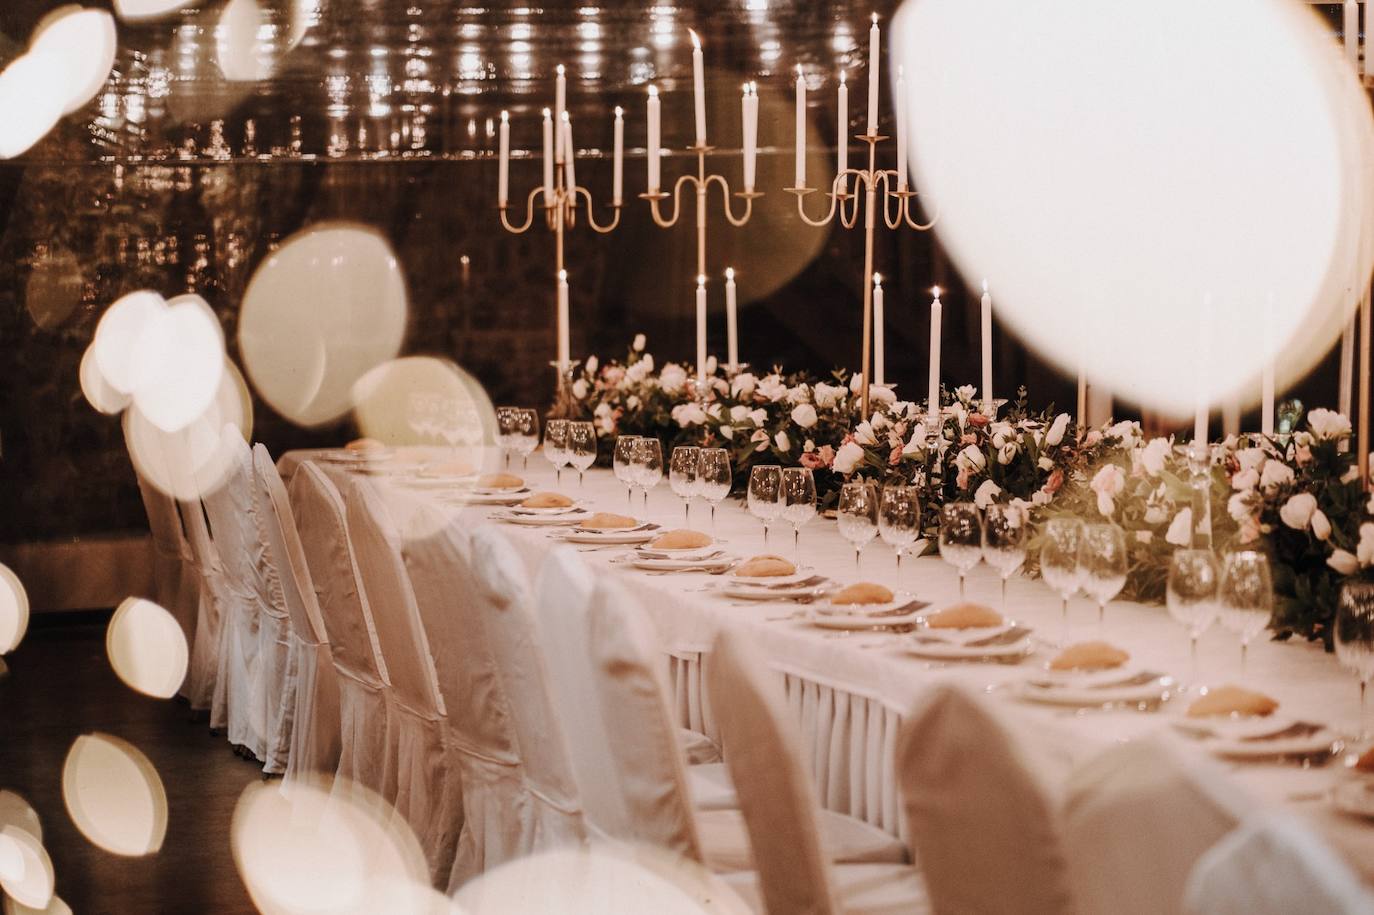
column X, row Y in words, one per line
column 798, row 501
column 682, row 476
column 1102, row 563
column 506, row 423
column 647, row 458
column 1059, row 558
column 1191, row 595
column 526, row 437
column 1004, row 541
column 1246, row 597
column 857, row 515
column 622, row 463
column 581, row 447
column 556, row 445
column 899, row 518
column 961, row 538
column 1355, row 637
column 765, row 494
column 714, row 476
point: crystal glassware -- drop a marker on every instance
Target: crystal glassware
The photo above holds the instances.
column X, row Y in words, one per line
column 798, row 501
column 857, row 515
column 581, row 447
column 647, row 459
column 765, row 494
column 1102, row 564
column 682, row 476
column 1059, row 558
column 622, row 464
column 714, row 477
column 1245, row 598
column 526, row 437
column 899, row 518
column 1004, row 541
column 961, row 538
column 1354, row 637
column 1191, row 595
column 506, row 424
column 556, row 445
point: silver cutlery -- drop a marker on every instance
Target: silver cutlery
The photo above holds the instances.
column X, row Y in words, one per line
column 1009, row 637
column 1140, row 679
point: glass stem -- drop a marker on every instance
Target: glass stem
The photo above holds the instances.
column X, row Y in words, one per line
column 899, row 560
column 630, row 498
column 1101, row 613
column 557, row 475
column 713, row 517
column 1064, row 608
column 1192, row 658
column 1244, row 650
column 796, row 541
column 858, row 551
column 1364, row 687
column 686, row 513
column 961, row 584
column 1004, row 594
column 765, row 533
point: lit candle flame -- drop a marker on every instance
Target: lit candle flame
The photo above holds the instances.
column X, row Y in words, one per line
column 841, row 77
column 985, row 286
column 729, row 273
column 562, row 276
column 877, row 279
column 875, row 18
column 619, row 112
column 505, row 116
column 566, row 118
column 701, row 279
column 936, row 290
column 560, row 69
column 547, row 114
column 799, row 71
column 653, row 91
column 696, row 42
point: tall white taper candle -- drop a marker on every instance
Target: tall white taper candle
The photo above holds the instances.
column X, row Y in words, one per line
column 564, row 358
column 548, row 159
column 800, row 176
column 701, row 328
column 503, row 165
column 560, row 105
column 988, row 408
column 699, row 88
column 731, row 319
column 750, row 113
column 879, row 337
column 901, row 130
column 569, row 169
column 873, row 54
column 842, row 140
column 933, row 398
column 618, row 166
column 654, row 143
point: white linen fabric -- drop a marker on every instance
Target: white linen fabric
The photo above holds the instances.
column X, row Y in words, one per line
column 238, row 705
column 203, row 666
column 1136, row 819
column 176, row 582
column 779, row 803
column 310, row 702
column 425, row 792
column 981, row 795
column 1273, row 865
column 352, row 634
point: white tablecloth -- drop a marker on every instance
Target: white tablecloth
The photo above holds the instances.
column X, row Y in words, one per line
column 850, row 691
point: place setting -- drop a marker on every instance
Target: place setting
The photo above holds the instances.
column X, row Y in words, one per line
column 544, row 509
column 769, row 577
column 496, row 489
column 1096, row 674
column 681, row 550
column 605, row 529
column 1243, row 725
column 968, row 631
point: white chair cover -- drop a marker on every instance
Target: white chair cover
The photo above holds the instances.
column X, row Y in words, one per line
column 211, row 599
column 176, row 582
column 1137, row 817
column 1273, row 865
column 982, row 803
column 425, row 792
column 347, row 618
column 312, row 714
column 238, row 701
column 778, row 798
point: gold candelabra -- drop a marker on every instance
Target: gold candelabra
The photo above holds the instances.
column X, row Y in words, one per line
column 846, row 205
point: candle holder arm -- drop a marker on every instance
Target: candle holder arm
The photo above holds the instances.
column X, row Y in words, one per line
column 655, row 196
column 748, row 196
column 591, row 220
column 906, row 214
column 529, row 214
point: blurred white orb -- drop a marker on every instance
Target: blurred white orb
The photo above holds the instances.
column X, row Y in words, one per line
column 84, row 41
column 1167, row 194
column 117, row 335
column 25, row 868
column 114, row 795
column 99, row 393
column 132, row 10
column 55, row 906
column 53, row 289
column 17, row 812
column 147, row 648
column 33, row 95
column 319, row 313
column 14, row 610
column 240, row 50
column 178, row 363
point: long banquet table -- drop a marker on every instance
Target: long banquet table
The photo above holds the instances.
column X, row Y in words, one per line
column 851, row 691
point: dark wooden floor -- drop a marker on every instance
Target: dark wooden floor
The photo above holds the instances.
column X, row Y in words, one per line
column 59, row 686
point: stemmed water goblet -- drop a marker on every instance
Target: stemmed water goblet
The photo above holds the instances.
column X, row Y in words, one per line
column 1191, row 595
column 899, row 518
column 714, row 476
column 857, row 515
column 1102, row 564
column 581, row 447
column 1059, row 559
column 647, row 459
column 622, row 464
column 506, row 424
column 526, row 435
column 1245, row 597
column 1354, row 637
column 961, row 538
column 682, row 476
column 765, row 494
column 1004, row 541
column 556, row 446
column 798, row 501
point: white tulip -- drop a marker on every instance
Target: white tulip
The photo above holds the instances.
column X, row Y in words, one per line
column 1297, row 511
column 1056, row 433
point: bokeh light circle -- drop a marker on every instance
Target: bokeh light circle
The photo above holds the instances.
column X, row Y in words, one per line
column 17, row 812
column 55, row 906
column 32, row 98
column 177, row 362
column 25, row 869
column 114, row 795
column 14, row 610
column 83, row 40
column 147, row 648
column 117, row 335
column 135, row 10
column 1166, row 194
column 319, row 313
column 240, row 53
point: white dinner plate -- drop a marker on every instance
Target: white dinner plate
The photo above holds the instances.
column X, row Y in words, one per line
column 1004, row 642
column 696, row 552
column 1127, row 686
column 849, row 616
column 440, row 481
column 623, row 535
column 499, row 491
column 964, row 636
column 786, row 592
column 705, row 564
column 1299, row 738
column 479, row 498
column 766, row 581
column 349, row 457
column 543, row 520
column 1249, row 727
column 1354, row 796
column 549, row 510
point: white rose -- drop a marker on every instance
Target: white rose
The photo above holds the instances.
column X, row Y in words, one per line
column 971, row 458
column 638, row 344
column 1154, row 455
column 1328, row 424
column 1044, row 463
column 714, row 411
column 739, row 413
column 856, row 382
column 916, row 444
column 579, row 388
column 1155, row 514
column 758, row 416
column 1144, row 536
column 1238, row 506
column 1276, row 474
column 1298, row 510
column 711, row 365
column 804, row 415
column 689, row 414
column 880, row 394
column 1007, row 453
column 1343, row 562
column 727, row 432
column 772, row 388
column 647, row 360
column 1040, row 497
column 1106, row 505
column 1321, row 525
column 800, row 394
column 592, row 365
column 863, row 434
column 637, row 371
column 878, row 422
column 827, row 395
column 965, row 393
column 782, row 441
column 672, row 378
column 1181, row 529
column 743, row 384
column 808, row 446
column 1001, row 433
column 1057, row 430
column 1124, row 430
column 760, row 439
column 1251, row 458
column 986, row 493
column 848, row 457
column 1245, row 480
column 633, row 402
column 1365, row 551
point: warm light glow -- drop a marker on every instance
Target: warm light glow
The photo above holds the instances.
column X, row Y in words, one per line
column 619, row 112
column 178, row 362
column 985, row 286
column 505, row 116
column 33, row 94
column 239, row 51
column 560, row 69
column 875, row 18
column 935, row 290
column 562, row 276
column 696, row 41
column 17, row 812
column 130, row 10
column 25, row 868
column 114, row 795
column 729, row 273
column 98, row 392
column 117, row 334
column 877, row 279
column 84, row 41
column 547, row 114
column 14, row 610
column 701, row 279
column 147, row 648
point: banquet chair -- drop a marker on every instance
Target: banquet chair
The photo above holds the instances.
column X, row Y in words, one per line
column 981, row 796
column 309, row 705
column 647, row 762
column 211, row 598
column 778, row 799
column 1273, row 865
column 518, row 794
column 176, row 582
column 237, row 704
column 426, row 793
column 350, row 629
column 1137, row 817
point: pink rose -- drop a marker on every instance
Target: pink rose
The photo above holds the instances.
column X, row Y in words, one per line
column 963, row 478
column 812, row 461
column 895, row 456
column 827, row 454
column 978, row 419
column 968, row 438
column 1056, row 480
column 1303, row 455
